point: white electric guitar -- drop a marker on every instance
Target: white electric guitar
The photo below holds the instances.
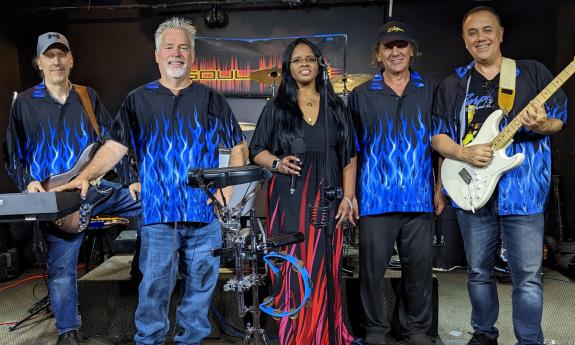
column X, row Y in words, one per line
column 471, row 187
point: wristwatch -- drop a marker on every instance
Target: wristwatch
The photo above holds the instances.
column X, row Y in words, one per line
column 275, row 165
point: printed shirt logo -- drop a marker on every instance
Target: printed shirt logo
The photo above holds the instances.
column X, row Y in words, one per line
column 473, row 104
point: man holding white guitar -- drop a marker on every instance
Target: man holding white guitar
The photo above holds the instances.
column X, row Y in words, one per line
column 500, row 196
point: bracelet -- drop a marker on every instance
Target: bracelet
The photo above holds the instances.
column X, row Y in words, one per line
column 349, row 201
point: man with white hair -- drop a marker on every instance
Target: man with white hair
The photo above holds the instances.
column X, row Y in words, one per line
column 173, row 125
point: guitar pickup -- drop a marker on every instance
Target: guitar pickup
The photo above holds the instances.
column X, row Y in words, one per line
column 465, row 176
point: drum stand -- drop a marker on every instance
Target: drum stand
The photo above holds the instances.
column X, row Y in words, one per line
column 247, row 243
column 245, row 246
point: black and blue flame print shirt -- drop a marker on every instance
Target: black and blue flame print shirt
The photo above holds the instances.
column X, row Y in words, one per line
column 46, row 138
column 171, row 135
column 523, row 190
column 394, row 145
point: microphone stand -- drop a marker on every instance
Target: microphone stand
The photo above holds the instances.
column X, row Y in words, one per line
column 321, row 215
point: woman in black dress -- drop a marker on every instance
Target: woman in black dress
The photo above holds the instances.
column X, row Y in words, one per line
column 298, row 111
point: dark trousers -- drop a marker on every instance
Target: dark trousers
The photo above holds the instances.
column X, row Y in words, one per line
column 414, row 237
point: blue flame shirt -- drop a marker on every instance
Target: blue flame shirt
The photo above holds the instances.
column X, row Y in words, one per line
column 46, row 138
column 171, row 135
column 523, row 190
column 394, row 145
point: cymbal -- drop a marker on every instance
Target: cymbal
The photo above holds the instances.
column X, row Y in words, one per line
column 247, row 126
column 348, row 82
column 267, row 76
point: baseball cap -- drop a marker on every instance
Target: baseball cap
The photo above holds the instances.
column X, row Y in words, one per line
column 46, row 40
column 394, row 31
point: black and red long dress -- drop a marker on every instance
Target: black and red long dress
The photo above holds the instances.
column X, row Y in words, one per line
column 289, row 213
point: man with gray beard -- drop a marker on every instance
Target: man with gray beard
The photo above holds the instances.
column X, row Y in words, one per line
column 173, row 125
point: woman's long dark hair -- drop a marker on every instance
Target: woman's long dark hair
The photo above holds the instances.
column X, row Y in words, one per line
column 287, row 110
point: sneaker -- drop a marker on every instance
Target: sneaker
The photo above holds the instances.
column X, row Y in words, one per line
column 482, row 339
column 73, row 337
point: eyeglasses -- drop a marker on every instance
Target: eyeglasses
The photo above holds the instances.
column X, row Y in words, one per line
column 299, row 61
column 398, row 44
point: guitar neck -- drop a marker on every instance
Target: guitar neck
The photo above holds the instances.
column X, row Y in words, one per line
column 503, row 138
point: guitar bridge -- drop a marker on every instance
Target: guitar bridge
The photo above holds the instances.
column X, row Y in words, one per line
column 465, row 176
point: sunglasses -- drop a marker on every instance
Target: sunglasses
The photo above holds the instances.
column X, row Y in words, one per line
column 398, row 44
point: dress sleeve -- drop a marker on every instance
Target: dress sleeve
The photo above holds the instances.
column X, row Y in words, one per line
column 349, row 148
column 264, row 137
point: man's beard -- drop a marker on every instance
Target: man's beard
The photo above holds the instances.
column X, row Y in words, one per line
column 177, row 73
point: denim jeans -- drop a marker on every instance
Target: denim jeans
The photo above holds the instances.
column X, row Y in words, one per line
column 522, row 236
column 63, row 250
column 164, row 249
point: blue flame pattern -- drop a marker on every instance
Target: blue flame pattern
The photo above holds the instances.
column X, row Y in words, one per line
column 166, row 154
column 49, row 155
column 50, row 151
column 396, row 173
column 525, row 189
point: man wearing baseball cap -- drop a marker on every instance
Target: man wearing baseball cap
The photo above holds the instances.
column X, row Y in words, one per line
column 51, row 40
column 396, row 190
column 49, row 127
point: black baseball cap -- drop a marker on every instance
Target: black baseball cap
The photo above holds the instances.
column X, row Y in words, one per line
column 395, row 31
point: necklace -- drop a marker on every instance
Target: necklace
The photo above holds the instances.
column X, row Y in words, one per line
column 309, row 103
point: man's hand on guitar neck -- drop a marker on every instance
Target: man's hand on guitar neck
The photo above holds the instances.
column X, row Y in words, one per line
column 534, row 117
column 34, row 187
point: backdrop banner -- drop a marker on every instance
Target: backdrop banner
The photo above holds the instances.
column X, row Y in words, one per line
column 243, row 67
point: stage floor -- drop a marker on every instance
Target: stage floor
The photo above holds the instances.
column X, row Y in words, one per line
column 558, row 321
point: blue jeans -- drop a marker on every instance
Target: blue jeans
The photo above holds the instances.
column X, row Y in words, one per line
column 164, row 248
column 63, row 250
column 522, row 236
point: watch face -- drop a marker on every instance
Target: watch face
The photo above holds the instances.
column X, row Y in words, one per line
column 275, row 164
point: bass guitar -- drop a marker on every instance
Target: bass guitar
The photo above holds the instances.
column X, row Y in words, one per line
column 79, row 220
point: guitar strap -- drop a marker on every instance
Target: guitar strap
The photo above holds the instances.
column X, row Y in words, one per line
column 82, row 92
column 506, row 95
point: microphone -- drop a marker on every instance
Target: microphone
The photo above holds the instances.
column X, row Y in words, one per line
column 322, row 63
column 297, row 146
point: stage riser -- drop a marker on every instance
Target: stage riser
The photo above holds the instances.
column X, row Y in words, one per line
column 107, row 307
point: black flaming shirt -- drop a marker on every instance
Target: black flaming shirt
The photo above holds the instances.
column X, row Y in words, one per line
column 394, row 145
column 171, row 135
column 46, row 138
column 523, row 190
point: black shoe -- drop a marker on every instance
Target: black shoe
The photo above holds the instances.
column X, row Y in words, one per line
column 482, row 339
column 419, row 339
column 378, row 339
column 73, row 337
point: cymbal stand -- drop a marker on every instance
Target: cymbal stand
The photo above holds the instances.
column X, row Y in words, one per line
column 274, row 74
column 345, row 90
